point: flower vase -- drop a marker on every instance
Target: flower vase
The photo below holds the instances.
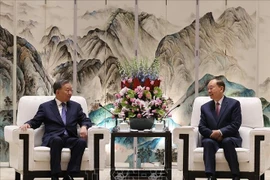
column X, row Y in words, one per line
column 141, row 123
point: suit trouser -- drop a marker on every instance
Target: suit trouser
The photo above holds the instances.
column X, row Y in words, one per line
column 77, row 147
column 209, row 154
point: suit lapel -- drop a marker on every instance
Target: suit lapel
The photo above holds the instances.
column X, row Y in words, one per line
column 55, row 110
column 68, row 112
column 213, row 110
column 222, row 109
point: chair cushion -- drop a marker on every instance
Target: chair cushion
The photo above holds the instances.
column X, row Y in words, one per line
column 242, row 153
column 42, row 153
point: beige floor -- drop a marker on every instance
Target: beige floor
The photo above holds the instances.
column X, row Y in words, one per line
column 9, row 174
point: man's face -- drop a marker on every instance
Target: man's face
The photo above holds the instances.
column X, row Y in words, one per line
column 64, row 94
column 215, row 91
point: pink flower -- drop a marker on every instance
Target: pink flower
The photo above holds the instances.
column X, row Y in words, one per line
column 146, row 103
column 123, row 91
column 117, row 96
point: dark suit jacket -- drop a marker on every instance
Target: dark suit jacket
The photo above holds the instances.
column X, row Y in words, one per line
column 228, row 121
column 48, row 114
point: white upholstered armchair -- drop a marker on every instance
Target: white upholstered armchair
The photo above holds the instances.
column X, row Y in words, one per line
column 31, row 160
column 253, row 156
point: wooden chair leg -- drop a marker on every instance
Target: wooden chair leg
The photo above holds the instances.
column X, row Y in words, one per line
column 191, row 177
column 17, row 176
column 262, row 177
column 88, row 176
column 28, row 177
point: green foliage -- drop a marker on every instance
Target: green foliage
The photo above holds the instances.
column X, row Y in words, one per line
column 139, row 69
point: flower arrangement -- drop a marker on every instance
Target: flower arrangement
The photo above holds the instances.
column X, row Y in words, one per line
column 140, row 95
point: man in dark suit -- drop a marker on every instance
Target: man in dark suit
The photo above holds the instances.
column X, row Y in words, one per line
column 61, row 117
column 219, row 124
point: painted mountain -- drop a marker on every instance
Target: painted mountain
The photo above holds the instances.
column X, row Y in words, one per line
column 100, row 50
column 102, row 47
column 31, row 78
column 226, row 47
column 218, row 53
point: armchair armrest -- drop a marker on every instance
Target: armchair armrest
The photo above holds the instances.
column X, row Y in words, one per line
column 11, row 133
column 9, row 136
column 188, row 130
column 186, row 138
column 98, row 137
column 259, row 149
column 19, row 141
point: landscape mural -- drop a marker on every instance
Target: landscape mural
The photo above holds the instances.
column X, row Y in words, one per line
column 48, row 45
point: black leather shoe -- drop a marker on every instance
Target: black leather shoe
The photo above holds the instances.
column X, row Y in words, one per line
column 55, row 178
column 68, row 177
column 236, row 178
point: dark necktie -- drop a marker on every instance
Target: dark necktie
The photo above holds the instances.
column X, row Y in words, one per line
column 64, row 115
column 217, row 108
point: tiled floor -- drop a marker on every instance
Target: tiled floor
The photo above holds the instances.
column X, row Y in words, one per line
column 9, row 174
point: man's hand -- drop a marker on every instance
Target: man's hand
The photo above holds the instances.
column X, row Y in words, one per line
column 216, row 135
column 24, row 127
column 83, row 132
column 220, row 138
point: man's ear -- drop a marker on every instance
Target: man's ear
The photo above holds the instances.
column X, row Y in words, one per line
column 222, row 88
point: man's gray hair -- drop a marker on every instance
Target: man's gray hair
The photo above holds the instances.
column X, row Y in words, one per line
column 59, row 84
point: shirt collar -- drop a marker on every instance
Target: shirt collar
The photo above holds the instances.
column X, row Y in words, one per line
column 58, row 102
column 220, row 101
